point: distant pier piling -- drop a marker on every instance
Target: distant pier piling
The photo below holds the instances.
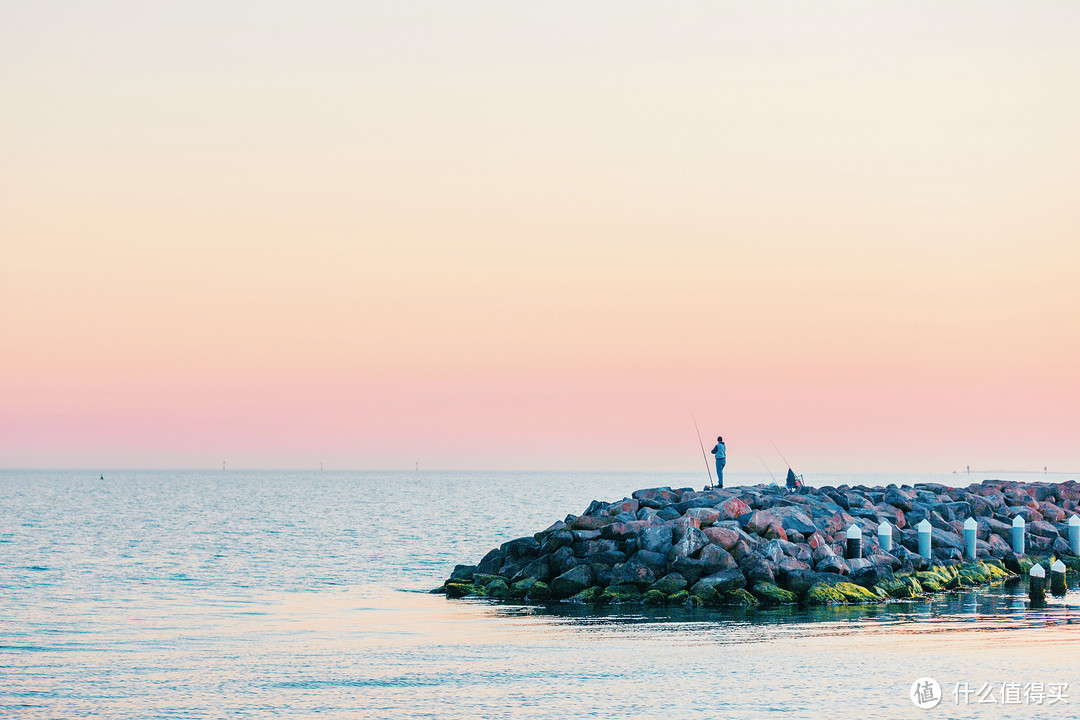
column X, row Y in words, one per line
column 1057, row 579
column 1074, row 534
column 971, row 530
column 1037, row 585
column 1018, row 535
column 925, row 529
column 884, row 535
column 854, row 543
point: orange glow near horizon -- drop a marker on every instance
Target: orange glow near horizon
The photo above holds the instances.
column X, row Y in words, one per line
column 531, row 237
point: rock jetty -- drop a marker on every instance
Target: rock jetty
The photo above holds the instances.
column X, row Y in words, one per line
column 763, row 545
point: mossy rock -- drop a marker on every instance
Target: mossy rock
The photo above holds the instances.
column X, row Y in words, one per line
column 707, row 595
column 769, row 594
column 522, row 587
column 539, row 592
column 931, row 585
column 588, row 596
column 823, row 594
column 970, row 575
column 678, row 598
column 694, row 601
column 840, row 593
column 460, row 590
column 654, row 598
column 483, row 579
column 932, row 581
column 530, row 589
column 1026, row 564
column 996, row 572
column 856, row 593
column 740, row 598
column 620, row 595
column 497, row 589
column 902, row 587
column 441, row 590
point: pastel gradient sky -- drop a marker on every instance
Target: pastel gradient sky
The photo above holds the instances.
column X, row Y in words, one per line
column 530, row 235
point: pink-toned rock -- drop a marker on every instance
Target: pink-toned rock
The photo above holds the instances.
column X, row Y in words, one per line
column 774, row 531
column 623, row 530
column 714, row 559
column 892, row 514
column 1051, row 512
column 838, row 522
column 722, row 536
column 1068, row 491
column 997, row 545
column 758, row 522
column 732, row 508
column 665, row 495
column 704, row 516
column 588, row 522
column 630, row 506
column 1041, row 527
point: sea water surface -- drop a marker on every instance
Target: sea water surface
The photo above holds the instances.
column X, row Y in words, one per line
column 192, row 594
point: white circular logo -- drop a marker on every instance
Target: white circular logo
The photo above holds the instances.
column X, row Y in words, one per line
column 925, row 693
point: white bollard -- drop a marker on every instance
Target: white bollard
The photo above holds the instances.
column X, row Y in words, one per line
column 1074, row 534
column 924, row 529
column 854, row 543
column 1018, row 535
column 884, row 535
column 1037, row 584
column 1057, row 578
column 971, row 529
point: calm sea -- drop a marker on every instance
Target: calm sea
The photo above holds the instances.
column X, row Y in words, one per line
column 168, row 594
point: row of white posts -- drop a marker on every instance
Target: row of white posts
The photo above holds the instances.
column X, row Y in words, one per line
column 1037, row 584
column 971, row 530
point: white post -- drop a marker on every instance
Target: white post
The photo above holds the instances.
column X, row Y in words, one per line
column 1057, row 578
column 1018, row 535
column 971, row 529
column 1074, row 534
column 854, row 543
column 1037, row 585
column 924, row 529
column 884, row 535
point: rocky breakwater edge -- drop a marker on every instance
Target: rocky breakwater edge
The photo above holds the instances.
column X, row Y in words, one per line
column 764, row 546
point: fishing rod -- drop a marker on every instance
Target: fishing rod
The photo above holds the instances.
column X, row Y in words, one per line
column 767, row 469
column 703, row 455
column 781, row 455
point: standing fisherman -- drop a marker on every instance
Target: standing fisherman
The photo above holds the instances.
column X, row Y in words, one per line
column 720, row 451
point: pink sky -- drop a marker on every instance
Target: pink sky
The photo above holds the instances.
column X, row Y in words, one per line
column 510, row 237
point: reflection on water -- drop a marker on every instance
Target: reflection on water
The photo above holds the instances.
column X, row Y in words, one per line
column 164, row 595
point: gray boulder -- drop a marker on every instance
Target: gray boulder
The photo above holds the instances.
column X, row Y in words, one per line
column 721, row 582
column 714, row 558
column 572, row 581
column 691, row 543
column 656, row 538
column 631, row 573
column 670, row 583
